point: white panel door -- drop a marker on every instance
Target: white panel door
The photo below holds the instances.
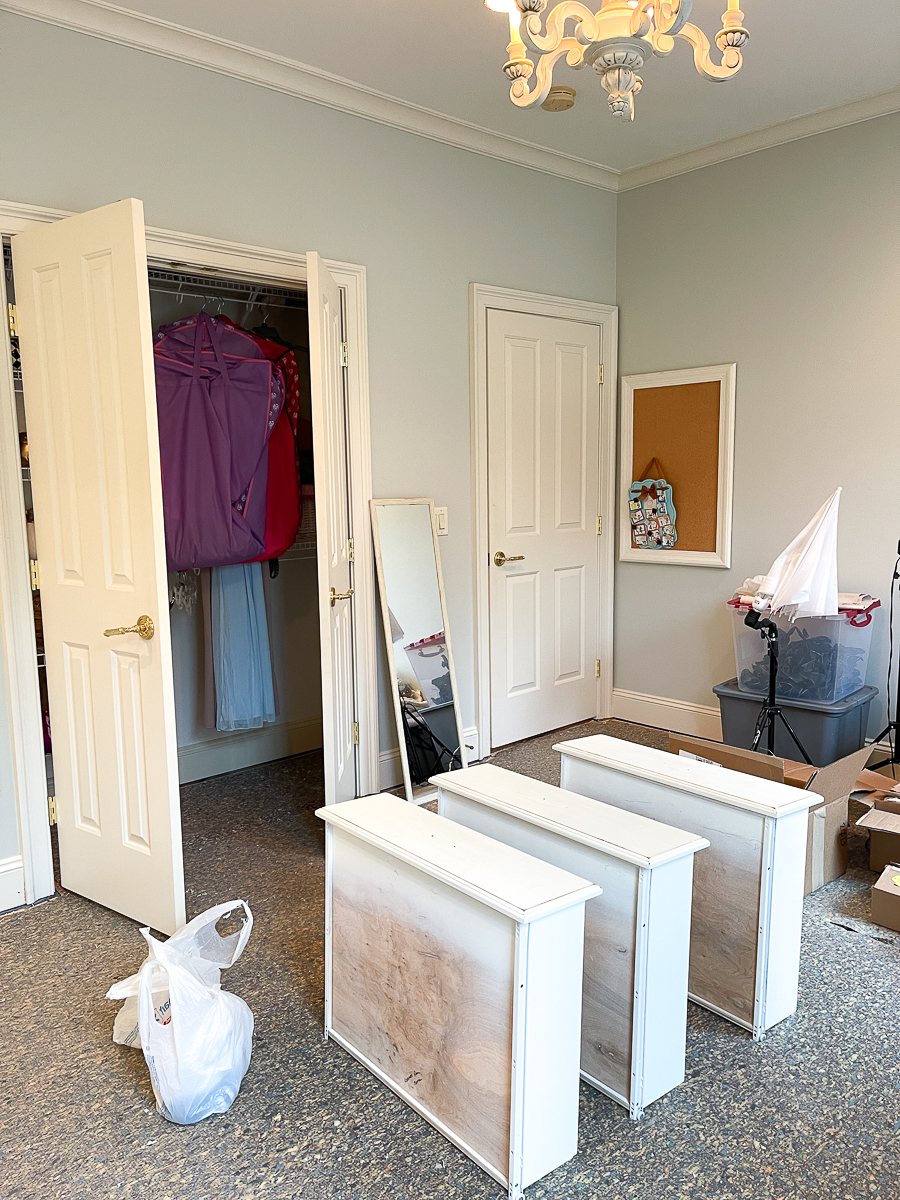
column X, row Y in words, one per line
column 87, row 358
column 543, row 495
column 329, row 418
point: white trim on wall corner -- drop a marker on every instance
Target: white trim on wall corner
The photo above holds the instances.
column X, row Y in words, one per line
column 663, row 712
column 12, row 883
column 111, row 23
column 841, row 115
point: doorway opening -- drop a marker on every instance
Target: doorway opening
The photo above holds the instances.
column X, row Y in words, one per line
column 91, row 310
column 211, row 739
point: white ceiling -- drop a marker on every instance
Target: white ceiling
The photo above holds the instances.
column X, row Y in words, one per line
column 446, row 55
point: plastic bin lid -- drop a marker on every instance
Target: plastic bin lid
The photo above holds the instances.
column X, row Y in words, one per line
column 856, row 616
column 730, row 690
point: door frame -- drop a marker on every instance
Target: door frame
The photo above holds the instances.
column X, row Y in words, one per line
column 214, row 255
column 482, row 298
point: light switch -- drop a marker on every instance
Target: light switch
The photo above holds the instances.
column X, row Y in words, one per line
column 440, row 521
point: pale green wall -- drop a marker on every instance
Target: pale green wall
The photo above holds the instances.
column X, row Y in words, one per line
column 786, row 262
column 90, row 122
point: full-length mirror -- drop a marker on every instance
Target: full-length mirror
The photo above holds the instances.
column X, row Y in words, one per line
column 414, row 612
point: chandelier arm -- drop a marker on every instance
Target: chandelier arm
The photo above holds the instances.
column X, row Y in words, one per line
column 663, row 16
column 586, row 28
column 732, row 59
column 519, row 91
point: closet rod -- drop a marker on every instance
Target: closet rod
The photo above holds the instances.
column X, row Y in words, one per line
column 265, row 303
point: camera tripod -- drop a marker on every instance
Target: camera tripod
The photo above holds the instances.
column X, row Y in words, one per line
column 770, row 713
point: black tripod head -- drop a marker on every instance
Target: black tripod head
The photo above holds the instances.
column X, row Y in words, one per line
column 767, row 629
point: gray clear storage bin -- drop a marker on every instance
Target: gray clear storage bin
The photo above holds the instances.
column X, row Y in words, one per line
column 827, row 731
column 820, row 659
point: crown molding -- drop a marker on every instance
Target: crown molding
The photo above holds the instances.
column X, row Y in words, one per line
column 109, row 22
column 793, row 130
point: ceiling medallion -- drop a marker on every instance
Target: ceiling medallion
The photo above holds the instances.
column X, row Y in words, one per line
column 616, row 41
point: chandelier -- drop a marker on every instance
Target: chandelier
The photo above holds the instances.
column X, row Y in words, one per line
column 616, row 42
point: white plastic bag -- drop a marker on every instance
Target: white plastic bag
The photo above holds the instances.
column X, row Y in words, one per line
column 196, row 1038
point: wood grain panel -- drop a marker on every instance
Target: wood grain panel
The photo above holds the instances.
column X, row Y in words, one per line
column 422, row 986
column 725, row 921
column 608, row 995
column 609, row 932
column 679, row 425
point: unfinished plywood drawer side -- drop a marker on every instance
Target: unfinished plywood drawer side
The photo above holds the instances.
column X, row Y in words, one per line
column 748, row 886
column 453, row 970
column 636, row 934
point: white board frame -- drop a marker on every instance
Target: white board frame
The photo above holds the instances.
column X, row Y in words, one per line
column 725, row 374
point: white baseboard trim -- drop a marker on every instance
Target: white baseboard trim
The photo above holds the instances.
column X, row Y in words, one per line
column 662, row 712
column 390, row 772
column 12, row 882
column 225, row 752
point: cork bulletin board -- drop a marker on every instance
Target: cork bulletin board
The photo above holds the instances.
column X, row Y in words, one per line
column 679, row 427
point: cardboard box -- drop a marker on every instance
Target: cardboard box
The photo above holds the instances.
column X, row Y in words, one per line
column 883, row 823
column 826, row 843
column 886, row 898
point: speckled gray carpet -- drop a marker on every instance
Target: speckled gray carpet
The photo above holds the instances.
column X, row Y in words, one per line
column 811, row 1113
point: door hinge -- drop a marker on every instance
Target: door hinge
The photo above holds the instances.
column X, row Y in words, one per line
column 13, row 320
column 356, row 733
column 51, row 809
column 35, row 575
column 345, row 354
column 600, row 380
column 598, row 668
column 599, row 526
column 351, row 553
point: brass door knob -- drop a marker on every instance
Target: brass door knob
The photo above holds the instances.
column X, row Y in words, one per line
column 500, row 558
column 340, row 596
column 144, row 628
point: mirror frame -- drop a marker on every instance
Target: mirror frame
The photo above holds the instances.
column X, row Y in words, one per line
column 426, row 792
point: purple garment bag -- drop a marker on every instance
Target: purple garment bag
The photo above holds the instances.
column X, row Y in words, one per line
column 217, row 405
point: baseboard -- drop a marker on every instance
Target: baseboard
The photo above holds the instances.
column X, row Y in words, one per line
column 662, row 712
column 12, row 882
column 390, row 771
column 225, row 752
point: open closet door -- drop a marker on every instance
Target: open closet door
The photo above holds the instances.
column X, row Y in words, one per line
column 87, row 359
column 329, row 419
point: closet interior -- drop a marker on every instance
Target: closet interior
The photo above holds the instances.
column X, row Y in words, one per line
column 254, row 718
column 212, row 741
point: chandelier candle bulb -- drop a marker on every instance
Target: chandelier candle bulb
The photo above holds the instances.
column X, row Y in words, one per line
column 616, row 41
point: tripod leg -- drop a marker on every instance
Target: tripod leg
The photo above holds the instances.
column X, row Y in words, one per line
column 778, row 713
column 762, row 720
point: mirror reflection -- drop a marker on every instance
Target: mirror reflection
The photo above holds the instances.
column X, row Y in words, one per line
column 415, row 626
